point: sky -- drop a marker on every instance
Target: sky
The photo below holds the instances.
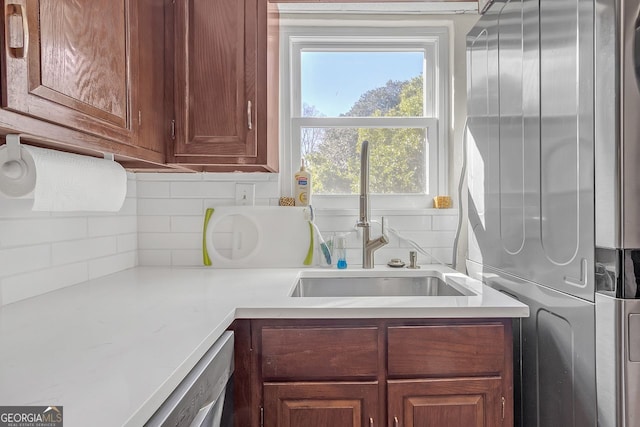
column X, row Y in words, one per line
column 334, row 81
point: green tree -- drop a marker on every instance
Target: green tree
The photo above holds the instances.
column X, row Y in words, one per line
column 379, row 101
column 397, row 155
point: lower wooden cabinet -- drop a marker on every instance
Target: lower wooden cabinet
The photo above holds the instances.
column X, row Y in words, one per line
column 320, row 404
column 460, row 402
column 376, row 372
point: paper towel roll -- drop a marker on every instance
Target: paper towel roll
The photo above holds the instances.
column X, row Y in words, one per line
column 63, row 182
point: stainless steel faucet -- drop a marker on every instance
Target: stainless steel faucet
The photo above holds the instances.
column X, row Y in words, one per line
column 368, row 246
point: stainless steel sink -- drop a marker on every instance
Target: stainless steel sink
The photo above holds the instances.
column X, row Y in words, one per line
column 376, row 287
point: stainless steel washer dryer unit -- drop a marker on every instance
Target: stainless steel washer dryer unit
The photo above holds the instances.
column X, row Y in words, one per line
column 554, row 199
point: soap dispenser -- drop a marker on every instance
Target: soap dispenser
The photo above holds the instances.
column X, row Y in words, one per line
column 302, row 186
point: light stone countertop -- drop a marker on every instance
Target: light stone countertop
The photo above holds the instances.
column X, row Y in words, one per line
column 111, row 350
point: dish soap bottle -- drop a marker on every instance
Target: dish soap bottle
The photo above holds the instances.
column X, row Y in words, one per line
column 302, row 184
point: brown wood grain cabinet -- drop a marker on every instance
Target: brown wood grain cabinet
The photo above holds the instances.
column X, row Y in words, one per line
column 72, row 64
column 162, row 84
column 73, row 68
column 373, row 372
column 225, row 79
column 310, row 353
column 457, row 402
column 335, row 404
column 461, row 375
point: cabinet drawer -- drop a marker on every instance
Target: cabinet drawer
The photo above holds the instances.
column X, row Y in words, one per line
column 319, row 353
column 459, row 350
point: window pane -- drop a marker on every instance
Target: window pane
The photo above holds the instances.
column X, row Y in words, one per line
column 362, row 84
column 398, row 159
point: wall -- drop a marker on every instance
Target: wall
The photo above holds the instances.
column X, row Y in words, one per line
column 171, row 210
column 171, row 207
column 161, row 222
column 41, row 251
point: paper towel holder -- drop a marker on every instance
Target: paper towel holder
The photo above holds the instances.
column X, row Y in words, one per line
column 14, row 166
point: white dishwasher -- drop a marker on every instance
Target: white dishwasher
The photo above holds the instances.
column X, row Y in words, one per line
column 205, row 397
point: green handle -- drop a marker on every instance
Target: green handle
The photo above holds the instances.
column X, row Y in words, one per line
column 309, row 258
column 205, row 253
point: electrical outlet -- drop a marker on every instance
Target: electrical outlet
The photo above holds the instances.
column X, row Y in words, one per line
column 245, row 194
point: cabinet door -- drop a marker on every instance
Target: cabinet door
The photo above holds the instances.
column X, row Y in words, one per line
column 215, row 64
column 469, row 402
column 221, row 84
column 320, row 404
column 69, row 62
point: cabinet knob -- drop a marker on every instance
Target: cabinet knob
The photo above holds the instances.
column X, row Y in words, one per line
column 370, row 421
column 249, row 124
column 396, row 423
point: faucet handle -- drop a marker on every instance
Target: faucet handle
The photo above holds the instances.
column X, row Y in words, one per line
column 385, row 236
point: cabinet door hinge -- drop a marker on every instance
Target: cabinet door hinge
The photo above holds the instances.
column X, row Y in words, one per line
column 173, row 129
column 261, row 416
column 503, row 404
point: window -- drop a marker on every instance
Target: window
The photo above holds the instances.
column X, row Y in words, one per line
column 345, row 85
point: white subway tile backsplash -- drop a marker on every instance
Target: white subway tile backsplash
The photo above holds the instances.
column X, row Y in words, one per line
column 215, row 203
column 343, row 223
column 33, row 283
column 169, row 240
column 110, row 225
column 170, row 207
column 449, row 222
column 154, row 189
column 26, row 232
column 161, row 224
column 132, row 185
column 432, row 239
column 42, row 251
column 154, row 257
column 23, row 259
column 203, row 189
column 442, row 255
column 154, row 224
column 19, row 208
column 187, row 224
column 127, row 242
column 186, row 258
column 410, row 222
column 112, row 264
column 267, row 189
column 82, row 250
column 129, row 207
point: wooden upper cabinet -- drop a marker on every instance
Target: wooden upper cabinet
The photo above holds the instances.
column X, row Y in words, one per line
column 152, row 124
column 69, row 62
column 221, row 84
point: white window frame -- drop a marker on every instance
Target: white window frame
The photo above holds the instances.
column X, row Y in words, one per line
column 433, row 40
